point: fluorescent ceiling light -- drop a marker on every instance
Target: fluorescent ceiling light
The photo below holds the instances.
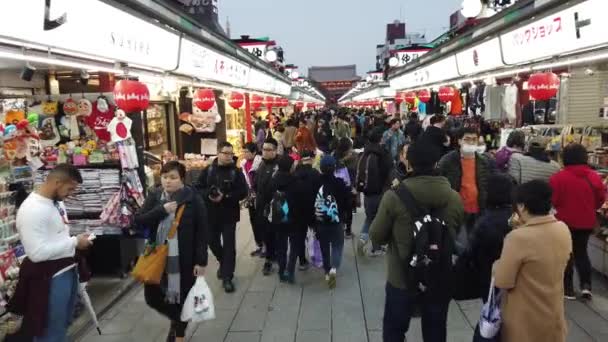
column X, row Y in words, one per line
column 59, row 62
column 571, row 62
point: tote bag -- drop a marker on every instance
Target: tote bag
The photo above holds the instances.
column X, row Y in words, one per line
column 151, row 265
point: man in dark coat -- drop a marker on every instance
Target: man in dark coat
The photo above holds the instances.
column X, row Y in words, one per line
column 223, row 186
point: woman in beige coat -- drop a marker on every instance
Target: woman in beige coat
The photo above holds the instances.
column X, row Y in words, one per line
column 531, row 270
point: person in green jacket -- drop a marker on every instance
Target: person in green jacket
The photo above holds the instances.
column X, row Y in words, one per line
column 393, row 225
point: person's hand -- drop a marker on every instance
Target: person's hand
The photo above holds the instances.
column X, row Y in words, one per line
column 217, row 199
column 170, row 207
column 199, row 271
column 82, row 241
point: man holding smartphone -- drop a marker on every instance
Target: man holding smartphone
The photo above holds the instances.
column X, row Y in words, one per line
column 223, row 186
column 48, row 278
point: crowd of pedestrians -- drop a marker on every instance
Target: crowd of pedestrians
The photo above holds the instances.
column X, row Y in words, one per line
column 449, row 215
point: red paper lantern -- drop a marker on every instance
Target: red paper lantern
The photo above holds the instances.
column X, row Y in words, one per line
column 269, row 101
column 410, row 97
column 398, row 98
column 543, row 86
column 424, row 95
column 285, row 102
column 446, row 94
column 204, row 99
column 236, row 100
column 299, row 105
column 256, row 101
column 131, row 96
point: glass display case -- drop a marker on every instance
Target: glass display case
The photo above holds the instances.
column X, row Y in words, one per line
column 156, row 128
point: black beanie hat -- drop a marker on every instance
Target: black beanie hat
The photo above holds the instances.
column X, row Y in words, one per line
column 423, row 156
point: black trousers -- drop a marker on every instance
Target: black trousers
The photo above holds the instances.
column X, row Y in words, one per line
column 258, row 234
column 580, row 258
column 223, row 246
column 286, row 240
column 270, row 240
column 348, row 214
column 299, row 236
column 156, row 300
column 399, row 308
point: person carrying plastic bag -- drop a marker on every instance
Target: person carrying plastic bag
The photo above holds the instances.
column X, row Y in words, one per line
column 198, row 306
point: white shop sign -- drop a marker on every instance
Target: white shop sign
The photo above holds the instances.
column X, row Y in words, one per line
column 481, row 57
column 199, row 61
column 578, row 27
column 375, row 77
column 441, row 70
column 258, row 50
column 405, row 57
column 90, row 27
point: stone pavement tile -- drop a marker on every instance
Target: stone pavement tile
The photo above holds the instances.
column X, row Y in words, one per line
column 265, row 283
column 106, row 338
column 252, row 313
column 471, row 310
column 456, row 319
column 243, row 337
column 150, row 328
column 215, row 330
column 121, row 324
column 348, row 320
column 459, row 335
column 375, row 336
column 576, row 333
column 313, row 336
column 586, row 318
column 315, row 311
column 414, row 333
column 282, row 319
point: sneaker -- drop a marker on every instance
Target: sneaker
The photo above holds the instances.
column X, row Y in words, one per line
column 331, row 279
column 569, row 295
column 377, row 253
column 228, row 286
column 361, row 247
column 267, row 268
column 586, row 294
column 304, row 267
column 291, row 278
column 257, row 252
column 283, row 277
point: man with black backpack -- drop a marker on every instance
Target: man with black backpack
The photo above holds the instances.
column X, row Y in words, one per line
column 418, row 220
column 223, row 186
column 373, row 170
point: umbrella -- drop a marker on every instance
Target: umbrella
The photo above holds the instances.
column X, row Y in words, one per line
column 87, row 302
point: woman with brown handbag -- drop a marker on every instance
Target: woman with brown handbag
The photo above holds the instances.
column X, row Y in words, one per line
column 177, row 216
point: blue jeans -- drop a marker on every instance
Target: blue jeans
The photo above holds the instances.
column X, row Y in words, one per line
column 370, row 204
column 62, row 300
column 399, row 307
column 331, row 239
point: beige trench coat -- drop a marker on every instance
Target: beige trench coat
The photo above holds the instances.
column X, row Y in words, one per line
column 531, row 270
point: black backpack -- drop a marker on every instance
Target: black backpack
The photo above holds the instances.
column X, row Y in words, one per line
column 279, row 208
column 429, row 267
column 368, row 174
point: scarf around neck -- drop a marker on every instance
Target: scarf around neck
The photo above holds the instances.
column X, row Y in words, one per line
column 173, row 286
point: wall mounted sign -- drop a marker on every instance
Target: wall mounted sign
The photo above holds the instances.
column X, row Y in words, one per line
column 479, row 58
column 578, row 27
column 90, row 27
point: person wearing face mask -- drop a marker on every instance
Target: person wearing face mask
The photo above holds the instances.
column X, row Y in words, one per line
column 48, row 277
column 530, row 269
column 223, row 186
column 172, row 203
column 468, row 170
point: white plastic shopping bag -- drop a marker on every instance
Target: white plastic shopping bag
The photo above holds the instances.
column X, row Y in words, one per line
column 491, row 318
column 199, row 303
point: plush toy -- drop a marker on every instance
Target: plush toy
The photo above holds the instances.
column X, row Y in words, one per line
column 49, row 134
column 85, row 107
column 102, row 104
column 33, row 119
column 13, row 116
column 50, row 108
column 202, row 121
column 70, row 108
column 120, row 126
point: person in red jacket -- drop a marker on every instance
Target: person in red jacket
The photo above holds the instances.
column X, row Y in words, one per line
column 578, row 192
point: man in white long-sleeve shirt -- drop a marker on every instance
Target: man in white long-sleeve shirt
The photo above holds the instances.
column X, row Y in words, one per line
column 45, row 234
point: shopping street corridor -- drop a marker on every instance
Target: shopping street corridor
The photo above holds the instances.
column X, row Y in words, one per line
column 264, row 310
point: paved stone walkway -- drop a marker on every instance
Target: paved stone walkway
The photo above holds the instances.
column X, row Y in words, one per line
column 263, row 310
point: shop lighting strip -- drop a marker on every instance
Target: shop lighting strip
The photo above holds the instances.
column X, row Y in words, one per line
column 59, row 62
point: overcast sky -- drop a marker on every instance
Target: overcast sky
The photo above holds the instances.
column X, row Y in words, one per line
column 333, row 32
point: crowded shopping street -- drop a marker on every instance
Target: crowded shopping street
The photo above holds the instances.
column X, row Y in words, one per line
column 339, row 171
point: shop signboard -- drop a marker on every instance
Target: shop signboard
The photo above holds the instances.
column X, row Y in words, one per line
column 375, row 77
column 202, row 62
column 89, row 27
column 479, row 58
column 578, row 27
column 441, row 70
column 406, row 56
column 256, row 49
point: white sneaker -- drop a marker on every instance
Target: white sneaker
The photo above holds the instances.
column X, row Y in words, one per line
column 331, row 278
column 586, row 294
